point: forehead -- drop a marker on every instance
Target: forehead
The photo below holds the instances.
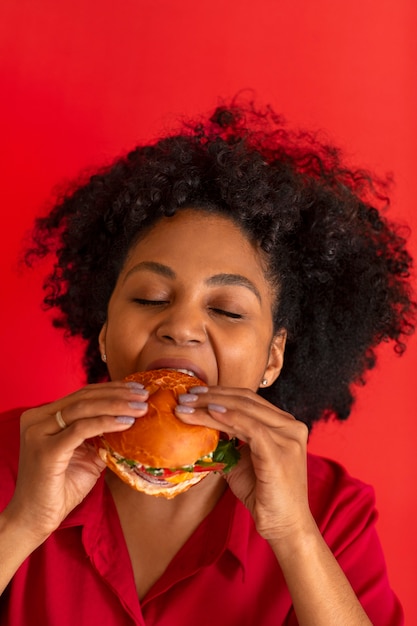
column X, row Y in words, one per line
column 195, row 238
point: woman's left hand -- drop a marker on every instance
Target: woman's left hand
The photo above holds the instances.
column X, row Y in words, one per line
column 271, row 480
column 271, row 476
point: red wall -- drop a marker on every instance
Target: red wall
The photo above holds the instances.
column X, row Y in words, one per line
column 84, row 80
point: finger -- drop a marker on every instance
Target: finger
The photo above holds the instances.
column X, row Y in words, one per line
column 224, row 422
column 61, row 446
column 248, row 421
column 119, row 411
column 240, row 392
column 88, row 428
column 115, row 405
column 220, row 401
column 114, row 395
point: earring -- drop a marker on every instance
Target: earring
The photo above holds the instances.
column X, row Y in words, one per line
column 104, row 357
column 264, row 382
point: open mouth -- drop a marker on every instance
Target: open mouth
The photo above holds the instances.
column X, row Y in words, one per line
column 180, row 365
column 182, row 371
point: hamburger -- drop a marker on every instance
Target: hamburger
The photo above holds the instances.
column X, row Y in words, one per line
column 160, row 455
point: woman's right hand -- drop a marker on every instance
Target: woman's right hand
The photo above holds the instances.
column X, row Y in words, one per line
column 57, row 466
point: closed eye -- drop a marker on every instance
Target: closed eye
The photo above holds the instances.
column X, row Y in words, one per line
column 216, row 310
column 236, row 316
column 144, row 302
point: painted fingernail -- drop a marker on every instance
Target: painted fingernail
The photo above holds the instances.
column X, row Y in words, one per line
column 187, row 397
column 135, row 387
column 217, row 407
column 198, row 389
column 138, row 405
column 125, row 419
column 142, row 393
column 180, row 408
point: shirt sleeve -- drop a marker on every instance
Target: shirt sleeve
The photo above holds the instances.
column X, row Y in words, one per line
column 344, row 509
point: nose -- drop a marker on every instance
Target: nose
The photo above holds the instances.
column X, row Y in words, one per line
column 183, row 324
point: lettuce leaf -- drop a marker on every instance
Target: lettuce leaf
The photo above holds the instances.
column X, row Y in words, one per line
column 226, row 452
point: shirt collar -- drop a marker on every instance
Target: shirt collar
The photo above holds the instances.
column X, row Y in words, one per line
column 230, row 518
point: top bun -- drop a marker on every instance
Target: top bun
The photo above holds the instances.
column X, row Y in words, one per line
column 159, row 439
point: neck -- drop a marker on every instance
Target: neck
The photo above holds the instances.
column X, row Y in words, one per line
column 145, row 519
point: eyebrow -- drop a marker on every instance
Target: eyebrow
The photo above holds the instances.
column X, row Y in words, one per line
column 234, row 279
column 217, row 280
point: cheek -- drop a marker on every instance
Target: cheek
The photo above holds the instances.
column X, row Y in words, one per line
column 243, row 363
column 122, row 354
column 123, row 338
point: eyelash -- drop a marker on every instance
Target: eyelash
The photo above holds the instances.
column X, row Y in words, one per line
column 230, row 314
column 234, row 316
column 150, row 302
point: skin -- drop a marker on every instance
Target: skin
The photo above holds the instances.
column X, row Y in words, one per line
column 192, row 294
column 179, row 301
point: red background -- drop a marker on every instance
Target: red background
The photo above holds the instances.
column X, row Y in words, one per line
column 83, row 81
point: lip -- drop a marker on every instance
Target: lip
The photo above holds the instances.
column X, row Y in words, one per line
column 178, row 364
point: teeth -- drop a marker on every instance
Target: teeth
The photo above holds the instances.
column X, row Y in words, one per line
column 183, row 371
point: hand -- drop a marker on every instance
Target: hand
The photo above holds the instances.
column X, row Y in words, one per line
column 58, row 467
column 271, row 480
column 271, row 477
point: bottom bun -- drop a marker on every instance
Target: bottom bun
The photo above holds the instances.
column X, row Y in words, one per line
column 158, row 487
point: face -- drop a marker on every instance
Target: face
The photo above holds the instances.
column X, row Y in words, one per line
column 193, row 295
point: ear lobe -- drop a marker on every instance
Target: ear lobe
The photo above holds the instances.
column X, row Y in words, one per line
column 276, row 357
column 102, row 339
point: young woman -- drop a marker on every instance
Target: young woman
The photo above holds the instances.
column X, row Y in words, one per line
column 252, row 257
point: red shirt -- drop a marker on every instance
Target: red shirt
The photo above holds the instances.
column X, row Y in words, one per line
column 225, row 574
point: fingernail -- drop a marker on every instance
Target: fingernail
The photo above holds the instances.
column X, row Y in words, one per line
column 198, row 389
column 140, row 392
column 135, row 387
column 184, row 409
column 125, row 419
column 138, row 405
column 217, row 407
column 187, row 397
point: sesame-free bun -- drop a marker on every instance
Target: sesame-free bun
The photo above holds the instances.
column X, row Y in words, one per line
column 159, row 439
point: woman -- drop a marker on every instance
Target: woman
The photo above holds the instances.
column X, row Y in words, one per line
column 252, row 257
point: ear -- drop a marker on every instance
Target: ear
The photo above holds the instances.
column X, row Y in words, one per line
column 275, row 359
column 102, row 339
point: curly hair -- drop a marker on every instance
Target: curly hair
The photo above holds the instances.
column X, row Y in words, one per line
column 342, row 268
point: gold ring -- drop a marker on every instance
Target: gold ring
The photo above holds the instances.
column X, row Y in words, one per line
column 60, row 420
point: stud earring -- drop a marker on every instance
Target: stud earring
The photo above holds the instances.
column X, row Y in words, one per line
column 264, row 382
column 104, row 357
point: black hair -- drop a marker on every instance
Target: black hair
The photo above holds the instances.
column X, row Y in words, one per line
column 342, row 268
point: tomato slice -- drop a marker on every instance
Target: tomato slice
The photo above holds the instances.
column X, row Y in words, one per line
column 166, row 472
